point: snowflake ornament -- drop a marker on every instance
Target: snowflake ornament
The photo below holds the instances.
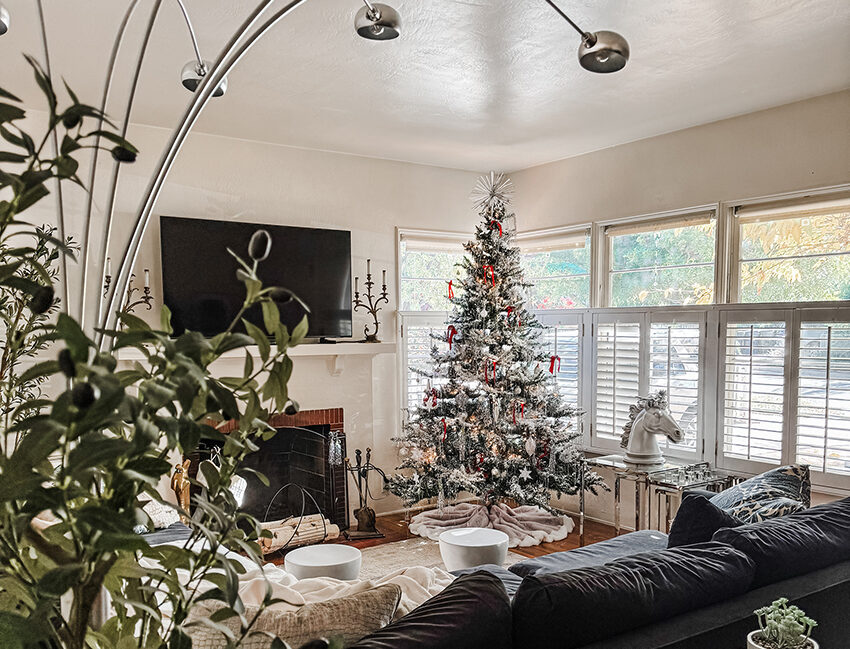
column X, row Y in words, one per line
column 525, row 475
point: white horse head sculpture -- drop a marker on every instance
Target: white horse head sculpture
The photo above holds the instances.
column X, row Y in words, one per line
column 648, row 419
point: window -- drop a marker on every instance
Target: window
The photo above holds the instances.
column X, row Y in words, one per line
column 823, row 397
column 618, row 370
column 662, row 262
column 558, row 267
column 754, row 390
column 795, row 253
column 676, row 365
column 427, row 261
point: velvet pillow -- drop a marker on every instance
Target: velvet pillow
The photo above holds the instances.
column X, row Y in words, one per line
column 697, row 520
column 473, row 612
column 795, row 544
column 574, row 608
column 746, row 500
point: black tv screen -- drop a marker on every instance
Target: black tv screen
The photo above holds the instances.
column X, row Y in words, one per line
column 201, row 289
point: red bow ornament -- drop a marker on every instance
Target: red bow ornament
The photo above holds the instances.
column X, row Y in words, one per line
column 489, row 270
column 510, row 310
column 494, row 224
column 445, row 429
column 451, row 292
column 552, row 360
column 451, row 332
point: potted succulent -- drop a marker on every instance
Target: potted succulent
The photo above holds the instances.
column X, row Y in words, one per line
column 782, row 627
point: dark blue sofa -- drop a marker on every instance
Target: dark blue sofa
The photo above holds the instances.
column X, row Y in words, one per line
column 634, row 581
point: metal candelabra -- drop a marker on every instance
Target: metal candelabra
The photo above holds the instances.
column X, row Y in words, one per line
column 373, row 305
column 130, row 304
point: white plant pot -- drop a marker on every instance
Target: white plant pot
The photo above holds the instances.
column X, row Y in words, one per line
column 752, row 645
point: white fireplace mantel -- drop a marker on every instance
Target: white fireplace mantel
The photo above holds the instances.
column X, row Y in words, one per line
column 334, row 352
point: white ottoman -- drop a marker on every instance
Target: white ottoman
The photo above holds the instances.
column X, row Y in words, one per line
column 328, row 560
column 467, row 547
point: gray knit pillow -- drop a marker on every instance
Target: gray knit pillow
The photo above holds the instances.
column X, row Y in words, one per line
column 346, row 618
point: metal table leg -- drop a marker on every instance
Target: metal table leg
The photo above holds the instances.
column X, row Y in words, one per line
column 583, row 469
column 616, row 505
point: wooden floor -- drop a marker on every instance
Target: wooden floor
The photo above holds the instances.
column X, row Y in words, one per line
column 394, row 528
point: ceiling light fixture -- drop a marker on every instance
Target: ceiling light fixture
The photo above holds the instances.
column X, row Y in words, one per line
column 377, row 22
column 194, row 71
column 4, row 20
column 600, row 51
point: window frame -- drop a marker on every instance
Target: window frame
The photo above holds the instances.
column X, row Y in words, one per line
column 538, row 239
column 668, row 218
column 450, row 239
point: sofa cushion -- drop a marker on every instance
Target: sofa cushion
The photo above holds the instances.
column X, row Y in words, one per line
column 571, row 609
column 747, row 499
column 473, row 612
column 509, row 580
column 697, row 520
column 592, row 555
column 795, row 544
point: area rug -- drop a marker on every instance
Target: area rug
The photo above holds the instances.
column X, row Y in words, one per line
column 383, row 559
column 525, row 526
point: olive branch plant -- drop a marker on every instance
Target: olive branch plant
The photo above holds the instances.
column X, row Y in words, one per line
column 74, row 464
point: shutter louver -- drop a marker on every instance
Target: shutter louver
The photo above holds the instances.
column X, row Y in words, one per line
column 675, row 366
column 617, row 375
column 754, row 387
column 823, row 397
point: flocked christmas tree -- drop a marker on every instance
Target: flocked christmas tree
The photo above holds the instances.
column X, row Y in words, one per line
column 491, row 422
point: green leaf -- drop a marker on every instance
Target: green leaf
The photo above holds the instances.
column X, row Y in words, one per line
column 165, row 320
column 271, row 317
column 260, row 338
column 5, row 156
column 12, row 138
column 76, row 341
column 7, row 270
column 66, row 166
column 43, row 82
column 59, row 581
column 5, row 94
column 228, row 341
column 155, row 394
column 69, row 145
column 225, row 399
column 39, row 370
column 9, row 113
column 300, row 331
column 133, row 323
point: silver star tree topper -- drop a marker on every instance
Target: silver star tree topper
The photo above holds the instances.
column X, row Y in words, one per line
column 492, row 189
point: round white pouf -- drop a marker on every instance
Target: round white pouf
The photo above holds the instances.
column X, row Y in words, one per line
column 467, row 547
column 328, row 560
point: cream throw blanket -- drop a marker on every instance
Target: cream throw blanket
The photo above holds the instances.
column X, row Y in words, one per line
column 417, row 585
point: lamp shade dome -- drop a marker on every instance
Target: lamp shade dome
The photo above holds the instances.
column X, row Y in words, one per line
column 379, row 22
column 603, row 51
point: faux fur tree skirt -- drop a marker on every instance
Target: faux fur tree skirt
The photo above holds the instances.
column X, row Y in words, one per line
column 526, row 525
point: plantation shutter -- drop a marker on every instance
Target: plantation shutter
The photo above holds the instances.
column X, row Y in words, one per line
column 418, row 341
column 754, row 389
column 675, row 365
column 564, row 340
column 823, row 397
column 618, row 375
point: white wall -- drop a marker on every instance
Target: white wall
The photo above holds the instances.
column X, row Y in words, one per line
column 793, row 147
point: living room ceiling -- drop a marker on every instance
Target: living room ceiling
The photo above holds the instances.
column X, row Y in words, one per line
column 472, row 84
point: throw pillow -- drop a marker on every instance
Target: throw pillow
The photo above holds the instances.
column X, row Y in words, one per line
column 575, row 608
column 473, row 612
column 745, row 500
column 795, row 544
column 347, row 619
column 161, row 515
column 697, row 520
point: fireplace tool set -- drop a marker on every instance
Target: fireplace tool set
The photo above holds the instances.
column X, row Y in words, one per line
column 364, row 514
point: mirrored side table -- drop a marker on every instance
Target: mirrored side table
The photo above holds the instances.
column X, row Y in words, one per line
column 668, row 480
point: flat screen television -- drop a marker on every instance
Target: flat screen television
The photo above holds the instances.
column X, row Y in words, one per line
column 201, row 289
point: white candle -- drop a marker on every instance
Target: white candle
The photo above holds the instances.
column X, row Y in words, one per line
column 147, row 278
column 109, row 265
column 385, row 278
column 368, row 266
